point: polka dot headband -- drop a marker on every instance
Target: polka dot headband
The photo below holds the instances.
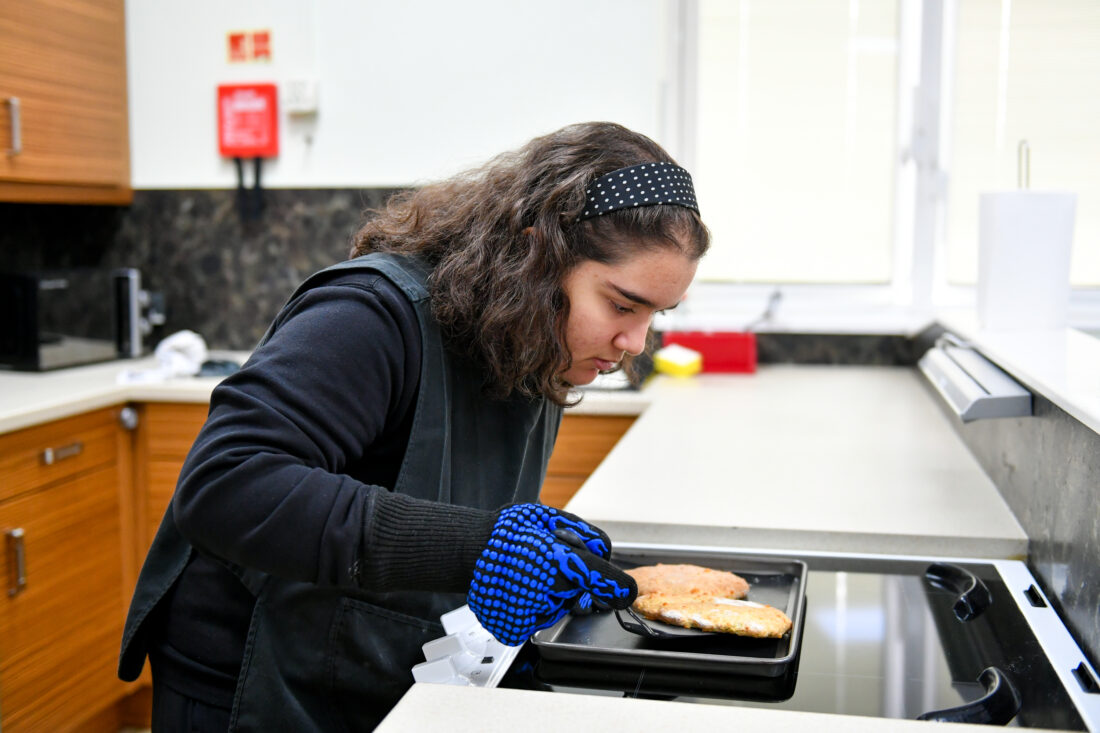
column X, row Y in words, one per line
column 647, row 184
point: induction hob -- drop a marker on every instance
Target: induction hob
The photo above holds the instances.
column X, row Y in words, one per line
column 882, row 636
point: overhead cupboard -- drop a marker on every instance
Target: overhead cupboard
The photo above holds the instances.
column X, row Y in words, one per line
column 64, row 130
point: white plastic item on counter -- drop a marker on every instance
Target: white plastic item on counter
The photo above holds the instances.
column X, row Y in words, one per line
column 1025, row 241
column 460, row 619
column 179, row 355
column 468, row 655
column 439, row 672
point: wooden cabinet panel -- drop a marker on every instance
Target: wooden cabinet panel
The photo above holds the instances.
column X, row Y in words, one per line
column 87, row 520
column 167, row 431
column 161, row 477
column 558, row 490
column 172, row 427
column 65, row 61
column 583, row 441
column 43, row 454
column 59, row 636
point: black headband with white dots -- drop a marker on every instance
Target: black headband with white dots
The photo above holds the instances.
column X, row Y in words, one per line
column 646, row 184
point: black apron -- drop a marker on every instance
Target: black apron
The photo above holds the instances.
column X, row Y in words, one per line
column 333, row 659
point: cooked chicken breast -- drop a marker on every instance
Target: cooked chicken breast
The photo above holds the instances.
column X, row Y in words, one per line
column 708, row 613
column 663, row 578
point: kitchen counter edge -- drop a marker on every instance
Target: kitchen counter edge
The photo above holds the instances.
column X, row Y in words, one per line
column 494, row 710
column 34, row 398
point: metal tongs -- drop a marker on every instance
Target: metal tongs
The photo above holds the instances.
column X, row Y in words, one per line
column 637, row 624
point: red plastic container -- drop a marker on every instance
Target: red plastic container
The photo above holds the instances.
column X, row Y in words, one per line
column 722, row 351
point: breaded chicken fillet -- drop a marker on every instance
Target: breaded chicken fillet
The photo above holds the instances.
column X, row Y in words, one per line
column 663, row 578
column 708, row 613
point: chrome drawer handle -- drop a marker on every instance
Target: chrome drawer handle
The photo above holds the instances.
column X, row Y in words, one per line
column 51, row 456
column 18, row 552
column 16, row 126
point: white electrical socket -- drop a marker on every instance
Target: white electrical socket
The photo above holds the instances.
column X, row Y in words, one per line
column 300, row 96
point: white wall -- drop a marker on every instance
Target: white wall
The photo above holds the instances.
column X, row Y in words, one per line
column 409, row 90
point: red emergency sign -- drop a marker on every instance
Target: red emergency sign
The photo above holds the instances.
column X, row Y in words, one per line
column 238, row 47
column 248, row 121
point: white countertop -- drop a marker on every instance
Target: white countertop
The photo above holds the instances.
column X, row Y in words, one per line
column 31, row 398
column 475, row 709
column 605, row 402
column 1062, row 364
column 849, row 459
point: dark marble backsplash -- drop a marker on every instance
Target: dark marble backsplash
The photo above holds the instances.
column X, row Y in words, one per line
column 225, row 276
column 222, row 276
column 819, row 348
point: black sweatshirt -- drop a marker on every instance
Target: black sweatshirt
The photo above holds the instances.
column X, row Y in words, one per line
column 290, row 476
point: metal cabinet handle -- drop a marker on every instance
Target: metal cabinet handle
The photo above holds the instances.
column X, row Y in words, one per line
column 128, row 418
column 14, row 110
column 18, row 552
column 51, row 456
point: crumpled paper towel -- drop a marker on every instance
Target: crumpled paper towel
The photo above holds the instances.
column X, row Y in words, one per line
column 179, row 355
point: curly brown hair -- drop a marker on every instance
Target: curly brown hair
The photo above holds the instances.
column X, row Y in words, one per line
column 500, row 240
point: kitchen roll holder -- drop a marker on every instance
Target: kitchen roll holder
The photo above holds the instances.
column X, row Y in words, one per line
column 1024, row 251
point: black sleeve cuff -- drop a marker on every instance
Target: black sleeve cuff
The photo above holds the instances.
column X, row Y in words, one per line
column 413, row 544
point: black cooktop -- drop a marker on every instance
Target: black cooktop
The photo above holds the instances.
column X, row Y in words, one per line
column 881, row 638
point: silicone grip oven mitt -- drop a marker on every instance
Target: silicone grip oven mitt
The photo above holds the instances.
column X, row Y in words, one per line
column 528, row 576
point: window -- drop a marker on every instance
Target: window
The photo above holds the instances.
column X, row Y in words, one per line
column 796, row 143
column 839, row 146
column 1024, row 70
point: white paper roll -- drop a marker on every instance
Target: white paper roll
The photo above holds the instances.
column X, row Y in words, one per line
column 1025, row 240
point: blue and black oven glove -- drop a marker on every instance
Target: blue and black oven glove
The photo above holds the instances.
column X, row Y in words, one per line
column 538, row 564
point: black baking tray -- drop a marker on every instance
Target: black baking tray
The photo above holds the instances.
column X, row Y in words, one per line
column 599, row 639
column 666, row 684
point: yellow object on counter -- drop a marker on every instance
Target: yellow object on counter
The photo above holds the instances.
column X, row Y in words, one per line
column 678, row 361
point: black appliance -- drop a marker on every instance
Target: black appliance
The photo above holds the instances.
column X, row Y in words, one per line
column 60, row 318
column 967, row 640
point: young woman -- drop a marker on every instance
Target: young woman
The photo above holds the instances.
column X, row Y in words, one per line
column 377, row 461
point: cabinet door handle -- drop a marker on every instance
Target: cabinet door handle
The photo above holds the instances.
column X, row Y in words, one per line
column 51, row 456
column 128, row 417
column 14, row 110
column 18, row 553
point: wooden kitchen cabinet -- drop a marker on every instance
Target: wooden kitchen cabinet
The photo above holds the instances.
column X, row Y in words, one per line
column 65, row 511
column 583, row 441
column 65, row 63
column 80, row 502
column 166, row 431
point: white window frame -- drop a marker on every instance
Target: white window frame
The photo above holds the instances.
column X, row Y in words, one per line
column 918, row 287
